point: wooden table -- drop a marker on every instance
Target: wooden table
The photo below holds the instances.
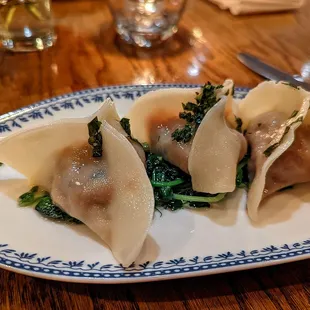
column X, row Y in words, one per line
column 86, row 55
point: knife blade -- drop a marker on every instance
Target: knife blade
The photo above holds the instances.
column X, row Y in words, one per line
column 269, row 72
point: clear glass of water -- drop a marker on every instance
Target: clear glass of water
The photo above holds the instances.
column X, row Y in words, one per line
column 146, row 23
column 26, row 25
column 305, row 72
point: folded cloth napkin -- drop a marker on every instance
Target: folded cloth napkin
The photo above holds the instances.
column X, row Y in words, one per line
column 237, row 7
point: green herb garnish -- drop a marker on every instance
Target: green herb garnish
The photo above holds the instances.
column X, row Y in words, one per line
column 125, row 123
column 295, row 112
column 233, row 90
column 185, row 134
column 193, row 113
column 242, row 178
column 44, row 205
column 173, row 188
column 167, row 184
column 48, row 209
column 203, row 199
column 95, row 137
column 272, row 147
column 29, row 198
column 239, row 123
column 290, row 84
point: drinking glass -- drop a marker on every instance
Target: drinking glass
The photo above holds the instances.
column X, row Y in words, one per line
column 26, row 25
column 146, row 23
column 305, row 72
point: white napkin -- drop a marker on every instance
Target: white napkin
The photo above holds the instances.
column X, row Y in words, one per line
column 237, row 7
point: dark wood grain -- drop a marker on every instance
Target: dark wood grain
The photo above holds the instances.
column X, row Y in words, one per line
column 87, row 55
column 279, row 287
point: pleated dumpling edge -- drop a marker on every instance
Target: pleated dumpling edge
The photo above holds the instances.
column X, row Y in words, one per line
column 112, row 195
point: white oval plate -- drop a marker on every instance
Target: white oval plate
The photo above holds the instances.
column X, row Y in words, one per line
column 180, row 244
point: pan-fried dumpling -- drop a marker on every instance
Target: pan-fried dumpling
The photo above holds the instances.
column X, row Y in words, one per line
column 111, row 194
column 211, row 157
column 274, row 116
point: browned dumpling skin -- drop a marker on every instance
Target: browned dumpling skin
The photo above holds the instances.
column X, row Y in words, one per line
column 81, row 180
column 293, row 166
column 162, row 143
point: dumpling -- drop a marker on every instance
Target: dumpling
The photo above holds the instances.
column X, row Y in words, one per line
column 275, row 119
column 155, row 116
column 215, row 153
column 111, row 194
column 211, row 156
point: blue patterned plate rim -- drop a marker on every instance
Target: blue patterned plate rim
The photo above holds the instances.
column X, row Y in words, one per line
column 89, row 91
column 94, row 272
column 84, row 272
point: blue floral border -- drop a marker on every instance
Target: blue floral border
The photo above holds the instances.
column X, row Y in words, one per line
column 33, row 263
column 48, row 107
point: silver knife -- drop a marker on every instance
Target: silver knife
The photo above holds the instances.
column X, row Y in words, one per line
column 268, row 71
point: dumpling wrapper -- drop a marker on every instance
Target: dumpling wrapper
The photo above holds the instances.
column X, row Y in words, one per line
column 124, row 221
column 154, row 116
column 215, row 153
column 164, row 102
column 270, row 97
column 211, row 164
column 265, row 97
column 44, row 142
